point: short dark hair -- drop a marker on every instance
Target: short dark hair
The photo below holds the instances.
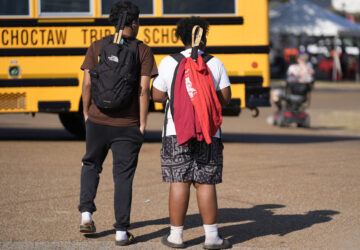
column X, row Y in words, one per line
column 185, row 26
column 133, row 12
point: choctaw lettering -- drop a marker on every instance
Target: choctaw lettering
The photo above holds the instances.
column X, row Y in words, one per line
column 33, row 37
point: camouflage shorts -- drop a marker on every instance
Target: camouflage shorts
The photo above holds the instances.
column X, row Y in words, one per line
column 198, row 161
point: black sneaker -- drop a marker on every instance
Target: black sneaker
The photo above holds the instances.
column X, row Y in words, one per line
column 128, row 241
column 88, row 228
column 225, row 245
column 167, row 243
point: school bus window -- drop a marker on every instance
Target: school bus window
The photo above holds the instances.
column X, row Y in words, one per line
column 199, row 7
column 65, row 6
column 14, row 8
column 146, row 6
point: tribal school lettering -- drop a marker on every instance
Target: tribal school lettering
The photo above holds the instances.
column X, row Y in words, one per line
column 77, row 37
column 159, row 36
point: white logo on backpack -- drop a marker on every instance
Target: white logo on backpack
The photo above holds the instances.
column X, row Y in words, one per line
column 191, row 91
column 113, row 58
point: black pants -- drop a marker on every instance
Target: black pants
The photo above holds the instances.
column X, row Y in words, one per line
column 125, row 144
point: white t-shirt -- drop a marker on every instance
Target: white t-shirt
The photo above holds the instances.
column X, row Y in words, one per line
column 300, row 73
column 166, row 72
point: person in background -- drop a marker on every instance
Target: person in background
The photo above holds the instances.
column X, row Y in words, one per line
column 301, row 71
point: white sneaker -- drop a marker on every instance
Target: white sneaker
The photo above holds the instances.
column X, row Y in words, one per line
column 87, row 224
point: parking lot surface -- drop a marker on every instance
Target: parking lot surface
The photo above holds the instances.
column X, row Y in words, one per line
column 283, row 188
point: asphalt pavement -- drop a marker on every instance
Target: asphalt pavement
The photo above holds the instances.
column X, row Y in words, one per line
column 283, row 188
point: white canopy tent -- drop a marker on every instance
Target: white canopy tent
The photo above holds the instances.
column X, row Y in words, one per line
column 304, row 18
column 301, row 17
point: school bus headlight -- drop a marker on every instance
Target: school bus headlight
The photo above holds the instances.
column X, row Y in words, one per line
column 14, row 71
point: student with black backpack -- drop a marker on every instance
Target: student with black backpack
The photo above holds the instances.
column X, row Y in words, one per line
column 117, row 73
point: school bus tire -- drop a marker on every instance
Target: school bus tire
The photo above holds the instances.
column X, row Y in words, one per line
column 230, row 111
column 74, row 123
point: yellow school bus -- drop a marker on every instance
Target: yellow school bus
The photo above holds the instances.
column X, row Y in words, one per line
column 43, row 43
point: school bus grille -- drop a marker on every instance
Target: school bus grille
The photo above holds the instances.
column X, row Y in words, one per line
column 12, row 101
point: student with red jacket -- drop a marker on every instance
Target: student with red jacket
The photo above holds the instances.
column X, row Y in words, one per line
column 199, row 160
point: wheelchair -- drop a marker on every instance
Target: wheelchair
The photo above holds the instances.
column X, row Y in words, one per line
column 292, row 101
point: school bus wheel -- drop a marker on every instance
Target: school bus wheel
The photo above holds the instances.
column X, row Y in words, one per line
column 74, row 123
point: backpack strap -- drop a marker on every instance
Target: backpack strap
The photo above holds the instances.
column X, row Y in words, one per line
column 105, row 40
column 169, row 103
column 138, row 65
column 206, row 57
column 178, row 57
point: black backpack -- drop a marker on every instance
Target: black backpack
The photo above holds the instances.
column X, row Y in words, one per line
column 116, row 78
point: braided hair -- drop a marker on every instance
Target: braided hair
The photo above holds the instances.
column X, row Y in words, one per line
column 132, row 10
column 185, row 26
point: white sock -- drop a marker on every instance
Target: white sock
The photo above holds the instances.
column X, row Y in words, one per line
column 121, row 235
column 176, row 235
column 86, row 218
column 211, row 235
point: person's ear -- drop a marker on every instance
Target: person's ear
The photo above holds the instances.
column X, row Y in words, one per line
column 134, row 25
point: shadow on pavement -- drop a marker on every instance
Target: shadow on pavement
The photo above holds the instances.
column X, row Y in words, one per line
column 249, row 223
column 153, row 136
column 283, row 138
column 36, row 134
